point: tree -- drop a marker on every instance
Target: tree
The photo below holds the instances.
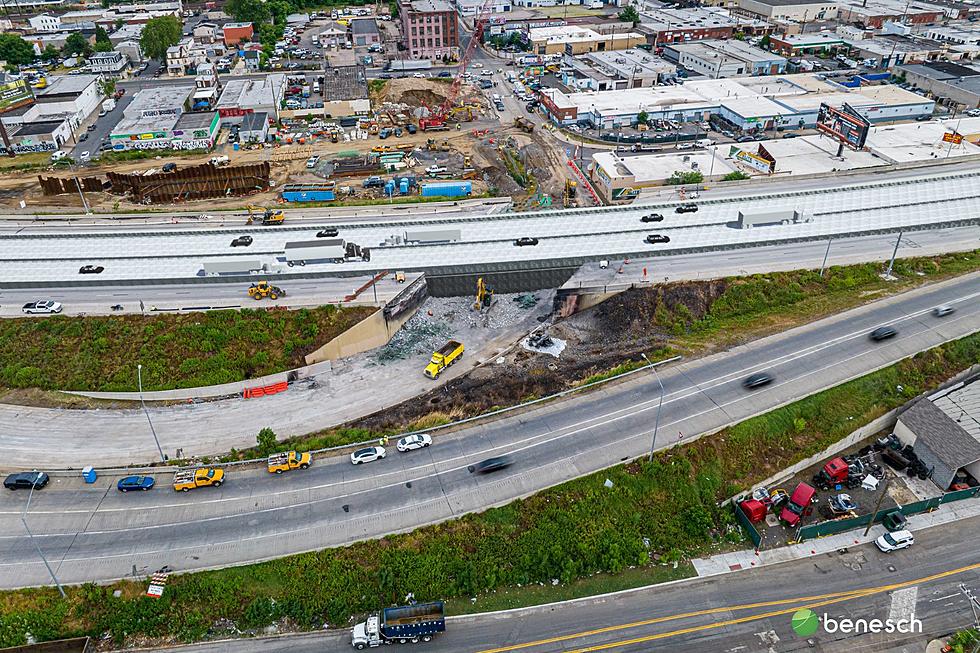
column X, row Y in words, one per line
column 279, row 9
column 764, row 43
column 642, row 118
column 680, row 177
column 15, row 50
column 107, row 86
column 103, row 46
column 248, row 11
column 101, row 36
column 629, row 15
column 267, row 441
column 160, row 34
column 77, row 44
column 50, row 53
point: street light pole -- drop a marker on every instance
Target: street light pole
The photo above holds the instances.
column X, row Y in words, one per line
column 139, row 377
column 891, row 263
column 23, row 520
column 823, row 266
column 656, row 423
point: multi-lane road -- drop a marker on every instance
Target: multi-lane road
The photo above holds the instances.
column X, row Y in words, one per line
column 94, row 533
column 927, row 201
column 744, row 612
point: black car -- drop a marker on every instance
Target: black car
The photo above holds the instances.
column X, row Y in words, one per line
column 169, row 167
column 687, row 208
column 91, row 269
column 757, row 380
column 242, row 241
column 744, row 139
column 492, row 464
column 83, row 137
column 653, row 239
column 883, row 333
column 445, row 73
column 92, row 127
column 329, row 232
column 652, row 217
column 526, row 241
column 26, row 480
column 411, row 128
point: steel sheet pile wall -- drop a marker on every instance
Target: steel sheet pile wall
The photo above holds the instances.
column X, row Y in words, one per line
column 198, row 182
column 61, row 185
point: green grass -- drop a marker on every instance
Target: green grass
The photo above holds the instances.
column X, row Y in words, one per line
column 176, row 350
column 31, row 161
column 965, row 641
column 585, row 535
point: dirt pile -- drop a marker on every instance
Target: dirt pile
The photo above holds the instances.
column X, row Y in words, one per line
column 598, row 339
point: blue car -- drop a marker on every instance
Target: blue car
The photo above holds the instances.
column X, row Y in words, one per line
column 135, row 483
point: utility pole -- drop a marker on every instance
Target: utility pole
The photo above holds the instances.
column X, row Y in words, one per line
column 23, row 520
column 881, row 497
column 656, row 423
column 823, row 266
column 891, row 263
column 139, row 377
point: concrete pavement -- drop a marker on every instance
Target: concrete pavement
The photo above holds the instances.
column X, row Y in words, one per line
column 748, row 612
column 94, row 533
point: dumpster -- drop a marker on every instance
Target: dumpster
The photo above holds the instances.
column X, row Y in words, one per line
column 88, row 473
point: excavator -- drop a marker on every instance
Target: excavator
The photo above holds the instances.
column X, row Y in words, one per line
column 268, row 216
column 484, row 296
column 263, row 289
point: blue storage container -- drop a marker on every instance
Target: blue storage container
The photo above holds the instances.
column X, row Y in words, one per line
column 308, row 195
column 447, row 189
column 88, row 473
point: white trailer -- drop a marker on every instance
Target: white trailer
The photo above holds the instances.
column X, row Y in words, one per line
column 433, row 236
column 764, row 218
column 240, row 267
column 324, row 249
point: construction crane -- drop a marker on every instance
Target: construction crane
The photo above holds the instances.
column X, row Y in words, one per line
column 437, row 118
column 484, row 295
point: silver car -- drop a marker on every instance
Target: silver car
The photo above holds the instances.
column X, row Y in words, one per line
column 417, row 441
column 367, row 454
column 944, row 310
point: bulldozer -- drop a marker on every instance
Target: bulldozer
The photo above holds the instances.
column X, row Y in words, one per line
column 269, row 216
column 484, row 296
column 432, row 145
column 569, row 196
column 263, row 289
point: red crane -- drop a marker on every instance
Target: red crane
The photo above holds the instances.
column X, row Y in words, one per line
column 436, row 120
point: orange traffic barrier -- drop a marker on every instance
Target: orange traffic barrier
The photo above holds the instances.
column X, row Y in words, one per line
column 262, row 391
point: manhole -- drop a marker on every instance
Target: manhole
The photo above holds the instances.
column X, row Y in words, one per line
column 408, row 484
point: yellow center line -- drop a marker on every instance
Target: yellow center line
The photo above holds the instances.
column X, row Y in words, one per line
column 820, row 600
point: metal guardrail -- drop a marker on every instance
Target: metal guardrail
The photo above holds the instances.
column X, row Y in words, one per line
column 493, row 413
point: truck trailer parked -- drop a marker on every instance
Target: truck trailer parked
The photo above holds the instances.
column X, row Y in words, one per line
column 404, row 624
column 763, row 218
column 446, row 355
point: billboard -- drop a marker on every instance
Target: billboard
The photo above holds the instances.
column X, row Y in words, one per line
column 15, row 94
column 752, row 160
column 844, row 124
column 953, row 137
column 764, row 154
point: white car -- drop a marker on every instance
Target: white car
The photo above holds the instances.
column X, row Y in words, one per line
column 43, row 306
column 419, row 75
column 477, row 65
column 84, row 156
column 368, row 454
column 312, row 161
column 894, row 541
column 417, row 441
column 487, row 73
column 685, row 146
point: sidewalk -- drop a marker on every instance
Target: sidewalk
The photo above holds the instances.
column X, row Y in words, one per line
column 739, row 560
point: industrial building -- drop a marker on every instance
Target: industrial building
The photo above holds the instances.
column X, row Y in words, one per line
column 952, row 82
column 875, row 13
column 610, row 71
column 794, row 45
column 695, row 24
column 752, row 104
column 157, row 118
column 429, row 29
column 365, row 31
column 732, row 58
column 798, row 11
column 944, row 431
column 241, row 97
column 578, row 40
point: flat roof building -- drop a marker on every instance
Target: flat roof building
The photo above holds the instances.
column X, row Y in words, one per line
column 429, row 29
column 946, row 80
column 874, row 13
column 733, row 58
column 578, row 40
column 255, row 94
column 799, row 11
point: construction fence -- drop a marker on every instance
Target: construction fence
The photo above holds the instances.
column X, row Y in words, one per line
column 840, row 525
column 749, row 527
column 192, row 183
column 62, row 185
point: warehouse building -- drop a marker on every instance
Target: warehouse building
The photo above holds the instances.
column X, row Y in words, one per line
column 621, row 179
column 717, row 59
column 798, row 11
column 944, row 430
column 157, row 119
column 610, row 71
column 241, row 97
column 875, row 13
column 951, row 82
column 794, row 45
column 578, row 40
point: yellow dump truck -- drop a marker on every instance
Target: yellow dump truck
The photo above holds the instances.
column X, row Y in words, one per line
column 287, row 460
column 188, row 479
column 448, row 354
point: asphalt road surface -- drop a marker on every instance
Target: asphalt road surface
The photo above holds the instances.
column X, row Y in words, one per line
column 743, row 612
column 91, row 532
column 103, row 126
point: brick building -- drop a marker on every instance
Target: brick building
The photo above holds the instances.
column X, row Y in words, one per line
column 430, row 29
column 235, row 33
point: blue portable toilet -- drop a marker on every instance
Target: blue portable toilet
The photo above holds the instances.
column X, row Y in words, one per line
column 88, row 473
column 403, row 187
column 389, row 188
column 235, row 147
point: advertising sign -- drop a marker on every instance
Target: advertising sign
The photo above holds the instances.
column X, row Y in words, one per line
column 753, row 160
column 15, row 94
column 764, row 154
column 953, row 137
column 844, row 124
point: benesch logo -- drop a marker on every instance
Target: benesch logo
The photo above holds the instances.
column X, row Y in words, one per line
column 806, row 622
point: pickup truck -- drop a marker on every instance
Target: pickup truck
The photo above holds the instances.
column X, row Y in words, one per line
column 404, row 624
column 188, row 479
column 446, row 355
column 287, row 460
column 43, row 306
column 374, row 182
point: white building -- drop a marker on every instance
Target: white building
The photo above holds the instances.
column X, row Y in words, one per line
column 179, row 57
column 45, row 23
column 111, row 63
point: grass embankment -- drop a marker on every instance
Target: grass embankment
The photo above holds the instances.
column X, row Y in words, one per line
column 750, row 307
column 588, row 537
column 176, row 351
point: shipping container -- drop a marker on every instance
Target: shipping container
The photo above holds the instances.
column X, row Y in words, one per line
column 447, row 189
column 243, row 266
column 323, row 249
column 308, row 192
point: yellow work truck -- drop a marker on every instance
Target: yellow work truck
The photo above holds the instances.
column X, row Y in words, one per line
column 287, row 460
column 448, row 354
column 188, row 479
